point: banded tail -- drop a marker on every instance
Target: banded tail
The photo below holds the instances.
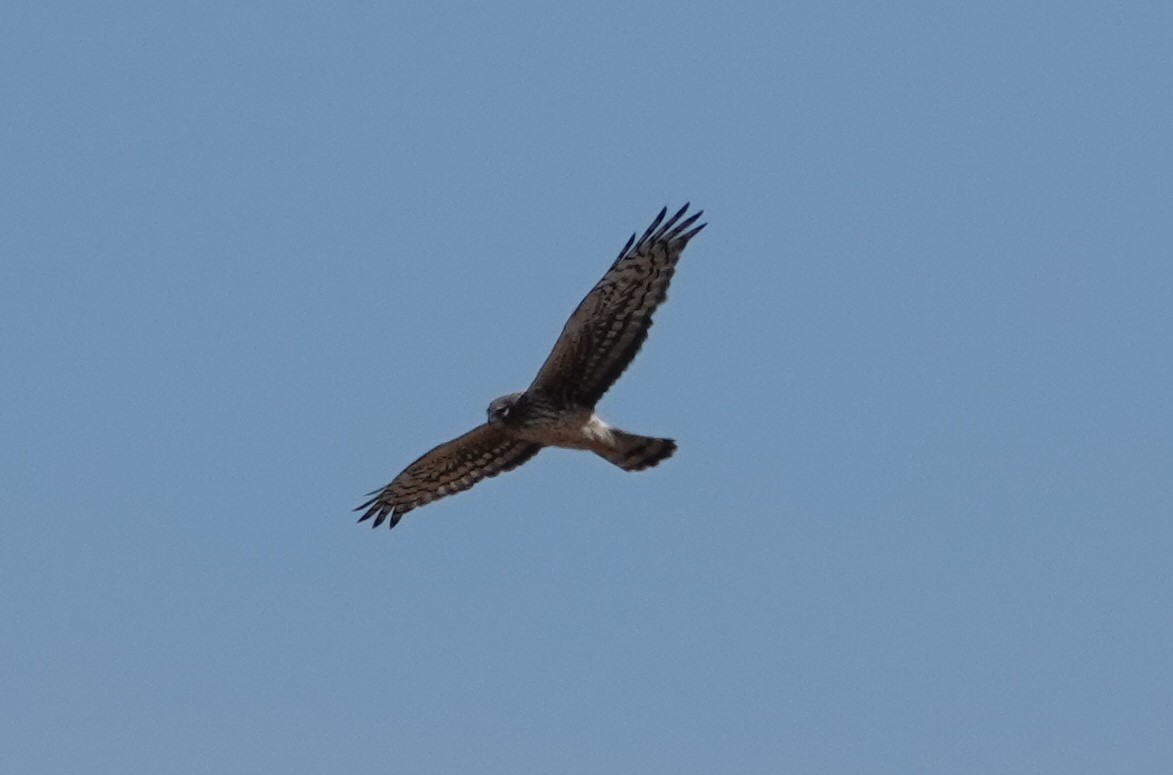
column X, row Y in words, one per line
column 632, row 452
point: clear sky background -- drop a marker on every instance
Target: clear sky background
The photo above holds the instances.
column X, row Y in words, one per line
column 258, row 257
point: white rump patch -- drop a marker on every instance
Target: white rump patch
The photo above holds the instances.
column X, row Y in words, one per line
column 595, row 428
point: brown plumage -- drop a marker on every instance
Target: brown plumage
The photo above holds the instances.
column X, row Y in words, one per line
column 596, row 345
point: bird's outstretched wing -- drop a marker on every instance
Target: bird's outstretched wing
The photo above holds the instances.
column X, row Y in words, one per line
column 449, row 468
column 610, row 325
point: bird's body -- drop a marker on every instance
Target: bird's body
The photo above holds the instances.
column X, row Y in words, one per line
column 599, row 341
column 541, row 419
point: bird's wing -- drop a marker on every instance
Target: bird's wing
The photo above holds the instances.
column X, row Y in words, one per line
column 451, row 467
column 610, row 325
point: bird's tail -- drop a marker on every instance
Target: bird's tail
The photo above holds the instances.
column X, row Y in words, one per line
column 635, row 453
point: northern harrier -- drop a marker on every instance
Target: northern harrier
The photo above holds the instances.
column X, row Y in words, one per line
column 558, row 409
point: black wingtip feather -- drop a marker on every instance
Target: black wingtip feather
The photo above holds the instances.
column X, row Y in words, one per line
column 680, row 227
column 382, row 517
column 381, row 511
column 627, row 247
column 662, row 227
column 667, row 229
column 378, row 510
column 690, row 234
column 655, row 224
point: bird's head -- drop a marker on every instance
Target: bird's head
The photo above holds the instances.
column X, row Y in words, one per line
column 501, row 409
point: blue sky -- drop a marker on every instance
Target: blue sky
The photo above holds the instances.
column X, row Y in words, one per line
column 258, row 257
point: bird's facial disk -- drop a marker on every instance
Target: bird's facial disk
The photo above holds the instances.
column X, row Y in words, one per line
column 500, row 408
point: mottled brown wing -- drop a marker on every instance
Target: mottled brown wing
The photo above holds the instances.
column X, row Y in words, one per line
column 449, row 468
column 610, row 325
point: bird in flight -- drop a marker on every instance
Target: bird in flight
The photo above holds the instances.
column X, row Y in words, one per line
column 601, row 338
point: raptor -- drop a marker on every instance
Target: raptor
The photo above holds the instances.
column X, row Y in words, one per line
column 596, row 345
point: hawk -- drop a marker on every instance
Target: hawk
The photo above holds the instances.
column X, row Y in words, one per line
column 601, row 338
